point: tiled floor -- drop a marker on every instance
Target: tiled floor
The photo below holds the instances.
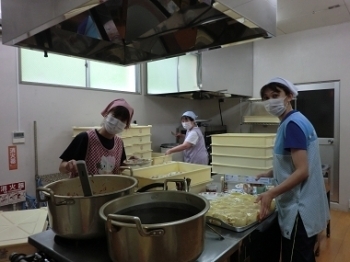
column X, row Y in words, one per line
column 337, row 247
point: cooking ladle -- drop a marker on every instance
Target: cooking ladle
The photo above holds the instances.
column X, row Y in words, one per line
column 84, row 178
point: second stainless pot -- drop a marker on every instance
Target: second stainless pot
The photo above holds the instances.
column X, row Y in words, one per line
column 155, row 226
column 71, row 215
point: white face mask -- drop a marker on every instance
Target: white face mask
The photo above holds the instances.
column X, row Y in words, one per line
column 275, row 106
column 186, row 125
column 113, row 125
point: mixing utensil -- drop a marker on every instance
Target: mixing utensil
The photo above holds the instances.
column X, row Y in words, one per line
column 84, row 178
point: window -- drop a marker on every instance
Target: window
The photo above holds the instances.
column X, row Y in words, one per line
column 162, row 76
column 54, row 70
column 69, row 71
column 112, row 77
column 172, row 75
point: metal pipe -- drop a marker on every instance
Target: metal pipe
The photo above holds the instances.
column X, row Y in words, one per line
column 36, row 152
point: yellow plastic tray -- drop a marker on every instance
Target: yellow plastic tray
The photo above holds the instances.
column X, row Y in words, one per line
column 244, row 139
column 143, row 154
column 141, row 139
column 160, row 158
column 238, row 170
column 137, row 131
column 249, row 151
column 141, row 147
column 261, row 119
column 242, row 160
column 197, row 173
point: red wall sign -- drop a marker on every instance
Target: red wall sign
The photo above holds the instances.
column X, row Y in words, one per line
column 12, row 193
column 12, row 151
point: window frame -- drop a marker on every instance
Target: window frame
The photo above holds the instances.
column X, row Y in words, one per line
column 138, row 74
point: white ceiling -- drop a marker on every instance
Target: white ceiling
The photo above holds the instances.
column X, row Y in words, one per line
column 299, row 15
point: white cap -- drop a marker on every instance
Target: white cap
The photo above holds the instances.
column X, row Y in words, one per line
column 292, row 88
column 190, row 114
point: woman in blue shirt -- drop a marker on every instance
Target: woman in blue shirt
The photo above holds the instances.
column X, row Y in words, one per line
column 299, row 190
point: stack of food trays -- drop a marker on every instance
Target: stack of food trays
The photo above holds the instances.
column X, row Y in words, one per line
column 242, row 153
column 136, row 139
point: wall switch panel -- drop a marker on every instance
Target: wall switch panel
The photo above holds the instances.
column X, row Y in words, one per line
column 18, row 137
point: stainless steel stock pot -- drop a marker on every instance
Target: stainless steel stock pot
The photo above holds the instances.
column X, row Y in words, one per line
column 71, row 214
column 155, row 226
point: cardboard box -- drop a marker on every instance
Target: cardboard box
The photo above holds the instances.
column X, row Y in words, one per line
column 16, row 226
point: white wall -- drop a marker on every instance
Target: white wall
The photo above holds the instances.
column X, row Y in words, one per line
column 229, row 109
column 57, row 109
column 309, row 56
column 312, row 56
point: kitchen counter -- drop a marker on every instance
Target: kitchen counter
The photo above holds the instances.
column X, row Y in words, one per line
column 96, row 250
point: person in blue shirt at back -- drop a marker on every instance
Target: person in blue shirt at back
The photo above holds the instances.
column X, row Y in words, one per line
column 299, row 190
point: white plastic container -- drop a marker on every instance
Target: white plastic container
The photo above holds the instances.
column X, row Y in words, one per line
column 137, row 131
column 141, row 139
column 244, row 139
column 128, row 150
column 249, row 151
column 261, row 119
column 160, row 158
column 199, row 187
column 146, row 154
column 242, row 161
column 142, row 147
column 127, row 140
column 238, row 170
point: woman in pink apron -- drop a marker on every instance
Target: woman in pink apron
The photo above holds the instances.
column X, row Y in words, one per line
column 102, row 151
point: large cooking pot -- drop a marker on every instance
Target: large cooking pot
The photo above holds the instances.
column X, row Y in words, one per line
column 155, row 226
column 71, row 215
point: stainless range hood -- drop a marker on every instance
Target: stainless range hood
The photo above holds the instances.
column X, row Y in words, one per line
column 128, row 32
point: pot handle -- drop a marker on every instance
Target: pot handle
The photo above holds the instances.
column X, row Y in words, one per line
column 51, row 197
column 182, row 181
column 129, row 168
column 41, row 190
column 164, row 185
column 134, row 220
column 150, row 186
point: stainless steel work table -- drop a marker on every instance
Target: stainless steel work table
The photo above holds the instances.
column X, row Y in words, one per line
column 96, row 250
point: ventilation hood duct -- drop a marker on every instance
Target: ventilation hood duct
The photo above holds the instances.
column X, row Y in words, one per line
column 127, row 32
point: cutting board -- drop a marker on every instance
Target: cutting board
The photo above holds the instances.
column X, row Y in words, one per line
column 16, row 226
